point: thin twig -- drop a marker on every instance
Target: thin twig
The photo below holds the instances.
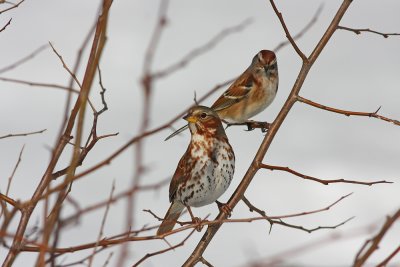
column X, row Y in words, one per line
column 347, row 112
column 10, row 8
column 280, row 258
column 201, row 49
column 108, row 259
column 325, row 182
column 24, row 59
column 14, row 170
column 117, row 197
column 288, row 36
column 70, row 73
column 40, row 84
column 303, row 31
column 364, row 253
column 5, row 26
column 102, row 93
column 103, row 222
column 148, row 255
column 205, row 262
column 359, row 31
column 22, row 134
column 389, row 258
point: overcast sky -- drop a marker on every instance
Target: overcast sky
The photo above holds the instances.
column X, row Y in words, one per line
column 354, row 72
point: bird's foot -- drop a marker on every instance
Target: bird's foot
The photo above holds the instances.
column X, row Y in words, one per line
column 224, row 208
column 263, row 125
column 195, row 220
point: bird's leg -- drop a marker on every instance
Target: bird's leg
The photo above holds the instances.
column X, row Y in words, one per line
column 249, row 126
column 224, row 208
column 195, row 220
column 263, row 125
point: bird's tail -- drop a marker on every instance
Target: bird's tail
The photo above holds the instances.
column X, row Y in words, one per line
column 171, row 217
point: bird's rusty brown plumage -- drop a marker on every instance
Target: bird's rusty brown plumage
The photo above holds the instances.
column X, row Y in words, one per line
column 205, row 170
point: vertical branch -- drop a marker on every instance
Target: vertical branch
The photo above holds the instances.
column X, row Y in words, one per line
column 255, row 165
column 364, row 253
column 84, row 93
column 28, row 208
column 103, row 222
column 147, row 84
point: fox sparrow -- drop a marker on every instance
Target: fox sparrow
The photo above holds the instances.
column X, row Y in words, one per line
column 250, row 94
column 205, row 170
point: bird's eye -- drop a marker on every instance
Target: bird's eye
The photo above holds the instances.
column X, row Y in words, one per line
column 203, row 115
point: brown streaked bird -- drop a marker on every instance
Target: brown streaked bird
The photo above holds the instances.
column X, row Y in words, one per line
column 251, row 93
column 205, row 170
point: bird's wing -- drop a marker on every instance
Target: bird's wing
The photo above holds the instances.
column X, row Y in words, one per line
column 235, row 93
column 179, row 176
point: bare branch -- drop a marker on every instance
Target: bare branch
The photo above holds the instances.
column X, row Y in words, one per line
column 280, row 222
column 39, row 84
column 389, row 258
column 70, row 73
column 5, row 26
column 97, row 48
column 325, row 182
column 119, row 196
column 155, row 38
column 148, row 255
column 22, row 134
column 103, row 222
column 359, row 31
column 303, row 31
column 65, row 66
column 347, row 112
column 10, row 201
column 254, row 166
column 201, row 49
column 14, row 170
column 364, row 253
column 102, row 93
column 10, row 8
column 24, row 59
column 288, row 36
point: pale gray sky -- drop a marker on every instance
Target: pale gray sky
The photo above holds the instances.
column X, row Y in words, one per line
column 354, row 72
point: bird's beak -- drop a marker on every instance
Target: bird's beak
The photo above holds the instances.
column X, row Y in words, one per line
column 190, row 118
column 177, row 132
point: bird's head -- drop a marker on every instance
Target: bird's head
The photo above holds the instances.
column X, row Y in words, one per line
column 205, row 121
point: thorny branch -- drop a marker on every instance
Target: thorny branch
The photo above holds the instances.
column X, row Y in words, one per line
column 291, row 100
column 347, row 112
column 127, row 237
column 359, row 31
column 325, row 182
column 44, row 190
